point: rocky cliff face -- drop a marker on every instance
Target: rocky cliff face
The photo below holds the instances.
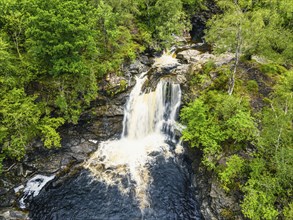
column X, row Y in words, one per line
column 200, row 18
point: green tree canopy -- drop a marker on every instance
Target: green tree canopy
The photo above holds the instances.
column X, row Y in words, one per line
column 21, row 118
column 162, row 18
column 214, row 121
column 60, row 36
column 256, row 27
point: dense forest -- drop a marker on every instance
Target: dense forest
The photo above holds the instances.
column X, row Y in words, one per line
column 53, row 53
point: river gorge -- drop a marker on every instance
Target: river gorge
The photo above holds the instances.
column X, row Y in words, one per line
column 127, row 162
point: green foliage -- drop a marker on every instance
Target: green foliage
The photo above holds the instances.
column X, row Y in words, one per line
column 272, row 69
column 234, row 168
column 288, row 211
column 210, row 77
column 115, row 40
column 21, row 121
column 60, row 36
column 275, row 142
column 20, row 114
column 258, row 204
column 252, row 86
column 241, row 127
column 201, row 131
column 260, row 192
column 48, row 127
column 19, row 118
column 271, row 173
column 222, row 125
column 215, row 120
column 208, row 67
column 192, row 6
column 277, row 118
column 2, row 157
column 68, row 95
column 221, row 82
column 6, row 66
column 161, row 19
column 284, row 164
column 257, row 27
column 13, row 21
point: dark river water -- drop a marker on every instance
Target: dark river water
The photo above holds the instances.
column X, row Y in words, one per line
column 171, row 194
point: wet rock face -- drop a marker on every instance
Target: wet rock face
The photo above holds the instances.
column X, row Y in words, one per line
column 200, row 18
column 106, row 127
column 215, row 203
column 142, row 64
column 223, row 203
column 76, row 147
column 12, row 214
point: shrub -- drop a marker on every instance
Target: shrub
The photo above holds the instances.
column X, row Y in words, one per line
column 252, row 86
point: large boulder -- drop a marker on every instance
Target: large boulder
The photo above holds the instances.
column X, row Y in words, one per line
column 13, row 214
column 188, row 56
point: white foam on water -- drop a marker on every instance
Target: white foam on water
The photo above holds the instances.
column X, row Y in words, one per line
column 93, row 141
column 166, row 59
column 17, row 189
column 33, row 187
column 127, row 158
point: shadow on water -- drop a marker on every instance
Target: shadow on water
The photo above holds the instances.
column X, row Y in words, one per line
column 81, row 197
column 171, row 194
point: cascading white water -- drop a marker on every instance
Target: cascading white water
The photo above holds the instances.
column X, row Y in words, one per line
column 149, row 120
column 152, row 112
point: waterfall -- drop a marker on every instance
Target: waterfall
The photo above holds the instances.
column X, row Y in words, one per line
column 152, row 112
column 149, row 119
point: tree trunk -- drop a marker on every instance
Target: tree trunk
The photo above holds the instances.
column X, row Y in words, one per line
column 148, row 13
column 16, row 43
column 237, row 55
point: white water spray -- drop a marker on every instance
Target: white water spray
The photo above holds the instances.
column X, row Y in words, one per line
column 33, row 188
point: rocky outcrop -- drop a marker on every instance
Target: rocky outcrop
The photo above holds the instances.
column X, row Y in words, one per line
column 13, row 214
column 188, row 56
column 200, row 18
column 194, row 56
column 215, row 203
column 77, row 144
